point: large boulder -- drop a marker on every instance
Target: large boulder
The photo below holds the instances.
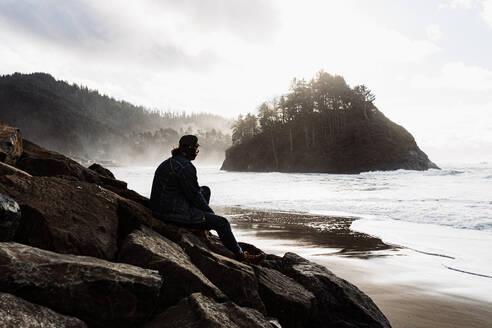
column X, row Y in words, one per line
column 42, row 162
column 102, row 171
column 340, row 303
column 10, row 144
column 147, row 249
column 10, row 216
column 16, row 312
column 38, row 161
column 102, row 293
column 65, row 216
column 198, row 311
column 285, row 299
column 235, row 279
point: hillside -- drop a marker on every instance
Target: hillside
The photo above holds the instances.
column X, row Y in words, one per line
column 322, row 126
column 80, row 122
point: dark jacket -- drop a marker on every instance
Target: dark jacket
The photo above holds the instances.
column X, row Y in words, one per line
column 175, row 194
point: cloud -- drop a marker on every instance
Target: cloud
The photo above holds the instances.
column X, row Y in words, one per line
column 484, row 7
column 252, row 20
column 68, row 22
column 487, row 12
column 457, row 76
column 433, row 32
column 457, row 4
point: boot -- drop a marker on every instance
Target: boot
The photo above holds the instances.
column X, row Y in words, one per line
column 252, row 259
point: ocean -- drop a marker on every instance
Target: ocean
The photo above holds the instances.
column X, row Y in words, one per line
column 446, row 213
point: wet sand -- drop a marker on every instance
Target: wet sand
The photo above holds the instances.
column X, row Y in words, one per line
column 403, row 283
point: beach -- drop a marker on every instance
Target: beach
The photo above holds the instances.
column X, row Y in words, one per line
column 405, row 284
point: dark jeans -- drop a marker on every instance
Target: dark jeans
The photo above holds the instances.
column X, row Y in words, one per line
column 219, row 224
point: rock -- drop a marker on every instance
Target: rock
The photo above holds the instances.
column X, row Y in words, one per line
column 42, row 162
column 285, row 299
column 10, row 216
column 272, row 262
column 340, row 303
column 15, row 313
column 102, row 171
column 102, row 293
column 126, row 193
column 65, row 216
column 147, row 249
column 6, row 169
column 198, row 311
column 235, row 279
column 10, row 144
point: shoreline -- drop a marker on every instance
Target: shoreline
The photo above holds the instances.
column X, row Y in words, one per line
column 402, row 282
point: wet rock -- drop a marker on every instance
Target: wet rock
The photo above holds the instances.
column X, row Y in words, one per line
column 10, row 216
column 102, row 293
column 65, row 216
column 340, row 303
column 10, row 144
column 147, row 249
column 38, row 161
column 235, row 279
column 285, row 299
column 102, row 171
column 198, row 311
column 15, row 313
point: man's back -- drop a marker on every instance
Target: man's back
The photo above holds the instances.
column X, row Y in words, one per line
column 175, row 191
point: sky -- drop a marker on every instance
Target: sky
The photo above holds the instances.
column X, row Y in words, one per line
column 429, row 62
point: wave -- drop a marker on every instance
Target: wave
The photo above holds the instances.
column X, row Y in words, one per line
column 448, row 172
column 467, row 272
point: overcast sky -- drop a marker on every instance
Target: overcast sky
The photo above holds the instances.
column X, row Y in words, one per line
column 429, row 62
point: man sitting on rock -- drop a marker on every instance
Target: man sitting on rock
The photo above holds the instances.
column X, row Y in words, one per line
column 177, row 198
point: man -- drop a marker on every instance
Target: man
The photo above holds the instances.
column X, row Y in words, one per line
column 177, row 198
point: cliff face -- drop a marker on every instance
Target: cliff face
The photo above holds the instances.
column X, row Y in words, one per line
column 369, row 142
column 78, row 249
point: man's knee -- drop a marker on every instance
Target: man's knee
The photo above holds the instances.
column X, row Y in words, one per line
column 219, row 222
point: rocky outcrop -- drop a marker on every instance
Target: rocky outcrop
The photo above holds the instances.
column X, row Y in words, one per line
column 102, row 171
column 198, row 311
column 10, row 216
column 363, row 143
column 148, row 249
column 286, row 299
column 10, row 144
column 138, row 270
column 16, row 313
column 340, row 303
column 102, row 293
column 235, row 279
column 42, row 162
column 65, row 216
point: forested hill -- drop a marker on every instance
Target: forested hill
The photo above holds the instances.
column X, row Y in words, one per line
column 84, row 124
column 322, row 125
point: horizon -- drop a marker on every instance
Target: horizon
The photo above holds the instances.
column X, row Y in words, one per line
column 226, row 58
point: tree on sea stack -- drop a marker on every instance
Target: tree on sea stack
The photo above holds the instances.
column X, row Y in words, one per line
column 322, row 125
